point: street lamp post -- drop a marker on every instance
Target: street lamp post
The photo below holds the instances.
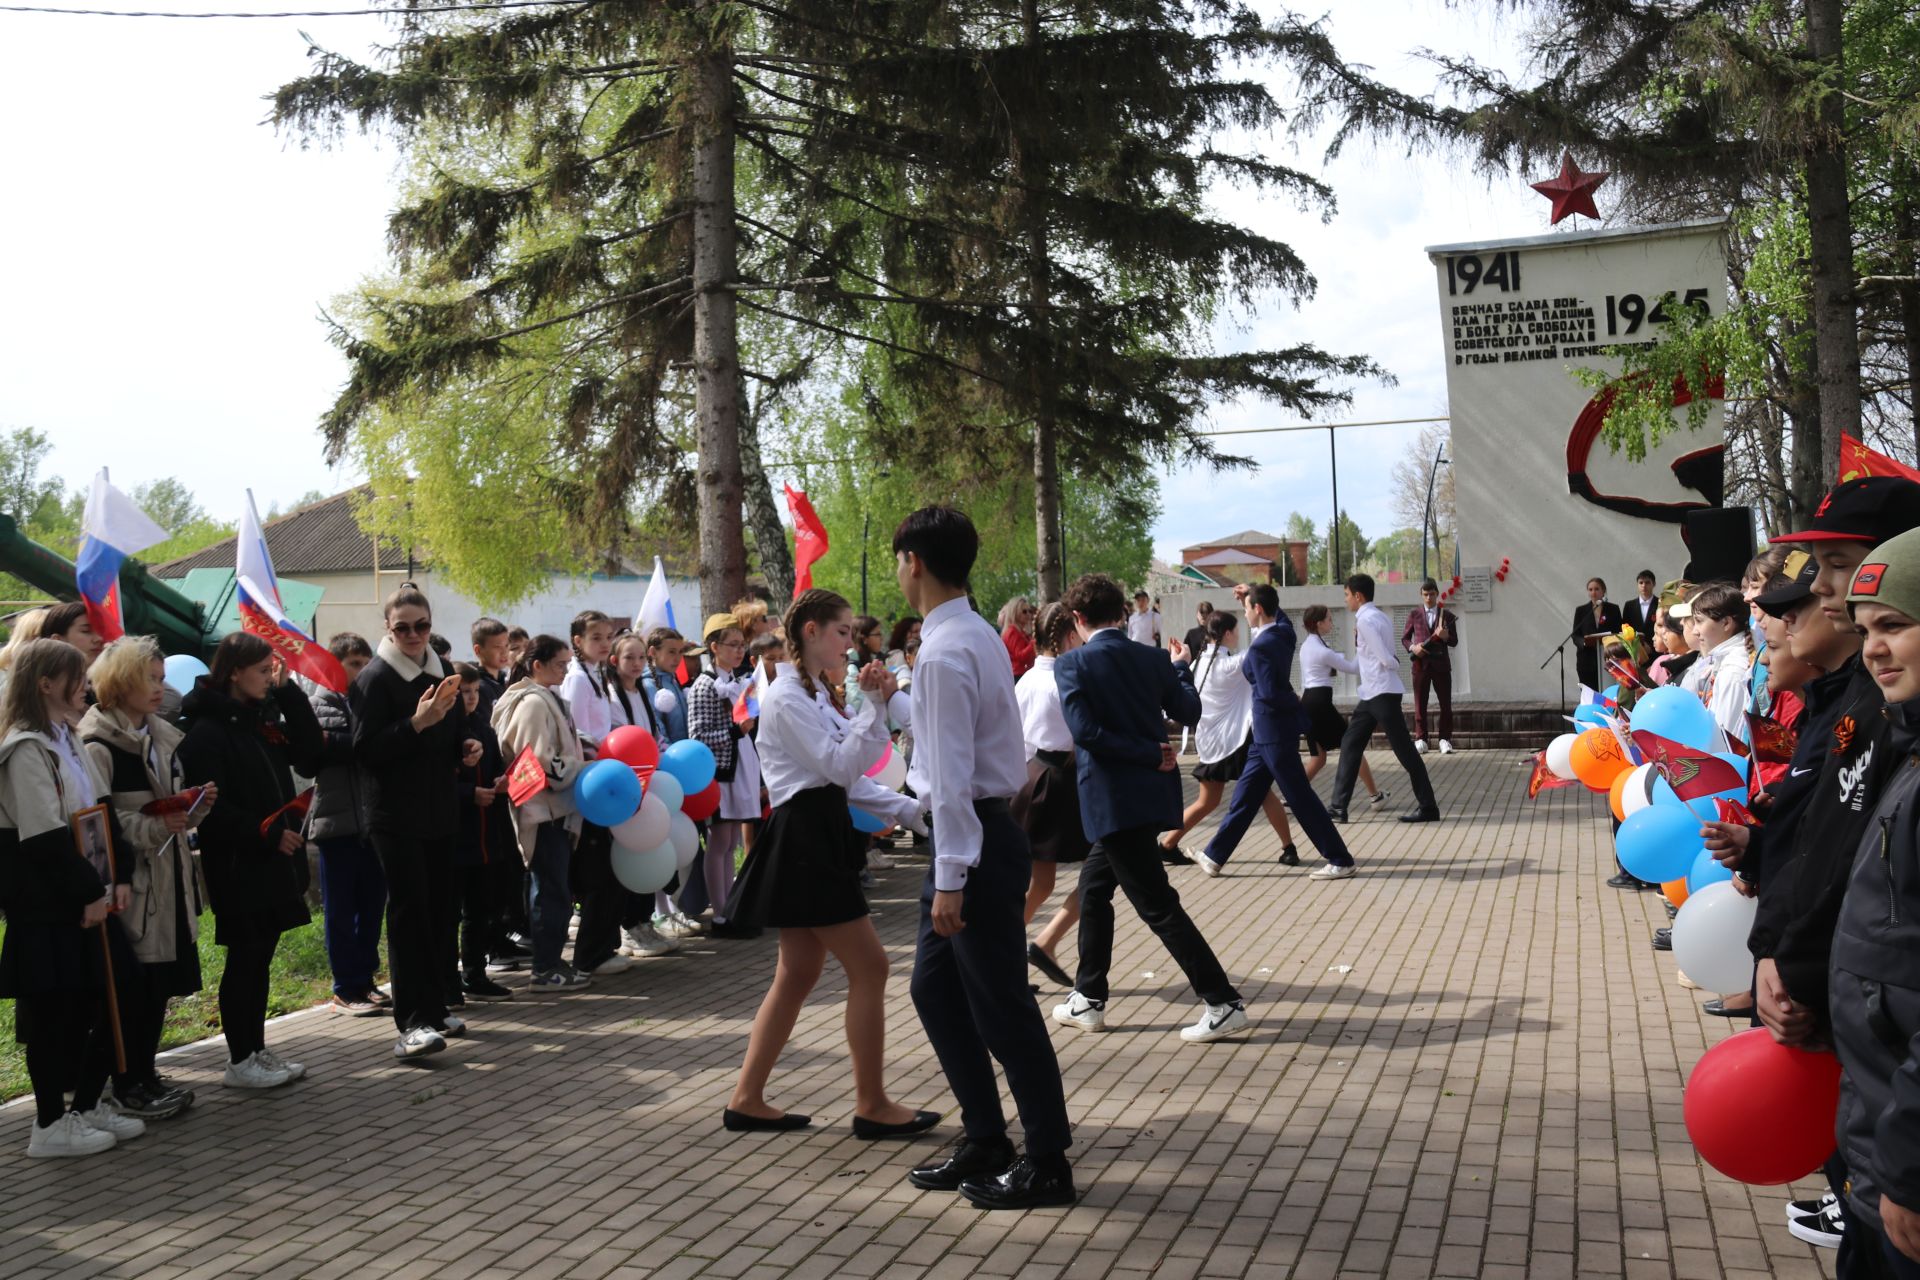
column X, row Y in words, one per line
column 1426, row 517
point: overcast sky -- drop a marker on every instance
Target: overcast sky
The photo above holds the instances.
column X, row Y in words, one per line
column 168, row 256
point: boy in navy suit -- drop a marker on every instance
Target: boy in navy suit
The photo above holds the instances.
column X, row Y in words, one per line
column 1117, row 697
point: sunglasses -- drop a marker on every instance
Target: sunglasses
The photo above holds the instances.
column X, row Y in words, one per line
column 422, row 628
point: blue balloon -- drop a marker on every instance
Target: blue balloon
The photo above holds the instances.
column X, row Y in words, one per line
column 1673, row 713
column 1611, row 694
column 691, row 765
column 1659, row 842
column 1663, row 794
column 1705, row 872
column 865, row 822
column 182, row 670
column 1589, row 715
column 607, row 793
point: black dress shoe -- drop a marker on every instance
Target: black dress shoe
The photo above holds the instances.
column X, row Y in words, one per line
column 968, row 1160
column 1421, row 815
column 1338, row 815
column 1175, row 857
column 1047, row 965
column 1718, row 1008
column 740, row 1122
column 1029, row 1184
column 1621, row 880
column 872, row 1129
column 1663, row 939
column 1289, row 857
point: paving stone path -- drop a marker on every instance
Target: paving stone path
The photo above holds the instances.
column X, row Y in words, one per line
column 1466, row 1061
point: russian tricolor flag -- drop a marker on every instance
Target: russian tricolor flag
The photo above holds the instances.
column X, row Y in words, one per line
column 111, row 530
column 258, row 593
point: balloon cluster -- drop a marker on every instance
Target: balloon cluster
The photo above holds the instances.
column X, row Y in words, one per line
column 650, row 800
column 1758, row 1111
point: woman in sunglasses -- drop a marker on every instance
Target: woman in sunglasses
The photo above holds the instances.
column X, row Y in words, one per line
column 405, row 733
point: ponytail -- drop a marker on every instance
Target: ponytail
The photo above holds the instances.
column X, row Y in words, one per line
column 1052, row 627
column 541, row 649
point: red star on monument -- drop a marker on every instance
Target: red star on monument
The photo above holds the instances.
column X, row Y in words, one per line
column 1572, row 190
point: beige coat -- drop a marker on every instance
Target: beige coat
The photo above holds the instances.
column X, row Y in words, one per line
column 528, row 715
column 163, row 863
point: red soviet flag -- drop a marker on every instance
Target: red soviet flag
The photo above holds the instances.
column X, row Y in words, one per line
column 809, row 538
column 1856, row 460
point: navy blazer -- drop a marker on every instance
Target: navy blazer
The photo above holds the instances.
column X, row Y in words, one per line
column 1118, row 697
column 1268, row 667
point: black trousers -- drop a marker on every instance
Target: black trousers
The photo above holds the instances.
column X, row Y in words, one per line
column 244, row 984
column 69, row 1048
column 1130, row 860
column 972, row 996
column 422, row 902
column 602, row 898
column 1436, row 677
column 482, row 926
column 1382, row 710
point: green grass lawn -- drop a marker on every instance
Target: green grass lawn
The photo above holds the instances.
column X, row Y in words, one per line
column 300, row 979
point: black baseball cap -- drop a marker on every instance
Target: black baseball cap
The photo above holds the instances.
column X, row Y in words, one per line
column 1870, row 509
column 1787, row 589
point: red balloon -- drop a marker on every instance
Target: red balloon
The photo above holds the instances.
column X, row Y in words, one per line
column 631, row 745
column 1761, row 1112
column 702, row 805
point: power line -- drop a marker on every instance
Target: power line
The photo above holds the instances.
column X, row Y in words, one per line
column 304, row 13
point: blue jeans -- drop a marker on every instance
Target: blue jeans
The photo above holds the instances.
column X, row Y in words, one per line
column 353, row 896
column 549, row 902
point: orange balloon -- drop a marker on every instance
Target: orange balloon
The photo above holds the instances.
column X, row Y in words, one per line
column 1676, row 891
column 1617, row 794
column 1597, row 758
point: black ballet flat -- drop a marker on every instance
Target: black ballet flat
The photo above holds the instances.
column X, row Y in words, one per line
column 1289, row 857
column 873, row 1129
column 1047, row 965
column 740, row 1122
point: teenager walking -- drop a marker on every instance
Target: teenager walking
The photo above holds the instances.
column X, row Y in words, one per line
column 1048, row 807
column 249, row 729
column 969, row 968
column 803, row 876
column 1380, row 692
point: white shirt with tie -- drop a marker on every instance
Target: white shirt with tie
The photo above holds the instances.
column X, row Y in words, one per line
column 967, row 738
column 1373, row 649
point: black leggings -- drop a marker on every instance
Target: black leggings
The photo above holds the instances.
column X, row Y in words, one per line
column 69, row 1044
column 243, row 994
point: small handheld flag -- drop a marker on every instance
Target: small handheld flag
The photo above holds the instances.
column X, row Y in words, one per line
column 257, row 591
column 525, row 778
column 111, row 529
column 1773, row 742
column 291, row 813
column 1690, row 772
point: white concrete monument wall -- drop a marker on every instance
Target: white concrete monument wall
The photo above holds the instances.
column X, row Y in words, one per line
column 1516, row 316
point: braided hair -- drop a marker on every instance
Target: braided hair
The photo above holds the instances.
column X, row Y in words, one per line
column 1052, row 627
column 819, row 607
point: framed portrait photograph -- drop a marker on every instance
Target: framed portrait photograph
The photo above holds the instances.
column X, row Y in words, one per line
column 93, row 837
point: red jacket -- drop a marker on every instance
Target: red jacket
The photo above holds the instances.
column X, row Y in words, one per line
column 1020, row 649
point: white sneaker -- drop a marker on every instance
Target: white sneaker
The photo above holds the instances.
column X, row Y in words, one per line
column 1446, row 748
column 690, row 927
column 1080, row 1012
column 253, row 1073
column 1208, row 867
column 418, row 1043
column 70, row 1135
column 1331, row 872
column 107, row 1119
column 643, row 941
column 454, row 1028
column 675, row 925
column 1217, row 1022
column 612, row 965
column 1420, row 745
column 294, row 1070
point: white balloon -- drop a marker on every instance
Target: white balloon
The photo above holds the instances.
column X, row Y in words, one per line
column 648, row 828
column 667, row 789
column 1710, row 938
column 643, row 871
column 894, row 775
column 1638, row 792
column 686, row 840
column 1560, row 756
column 664, row 702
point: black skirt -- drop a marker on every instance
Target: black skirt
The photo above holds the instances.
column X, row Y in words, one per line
column 1325, row 725
column 1227, row 770
column 1048, row 809
column 804, row 869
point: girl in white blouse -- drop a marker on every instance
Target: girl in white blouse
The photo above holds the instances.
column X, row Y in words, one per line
column 1325, row 725
column 1223, row 736
column 1048, row 807
column 803, row 875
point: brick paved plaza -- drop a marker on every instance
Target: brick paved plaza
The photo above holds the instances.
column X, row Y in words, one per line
column 1465, row 1062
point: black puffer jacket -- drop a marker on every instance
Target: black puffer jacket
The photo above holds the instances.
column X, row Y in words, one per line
column 1875, row 990
column 342, row 795
column 251, row 750
column 413, row 773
